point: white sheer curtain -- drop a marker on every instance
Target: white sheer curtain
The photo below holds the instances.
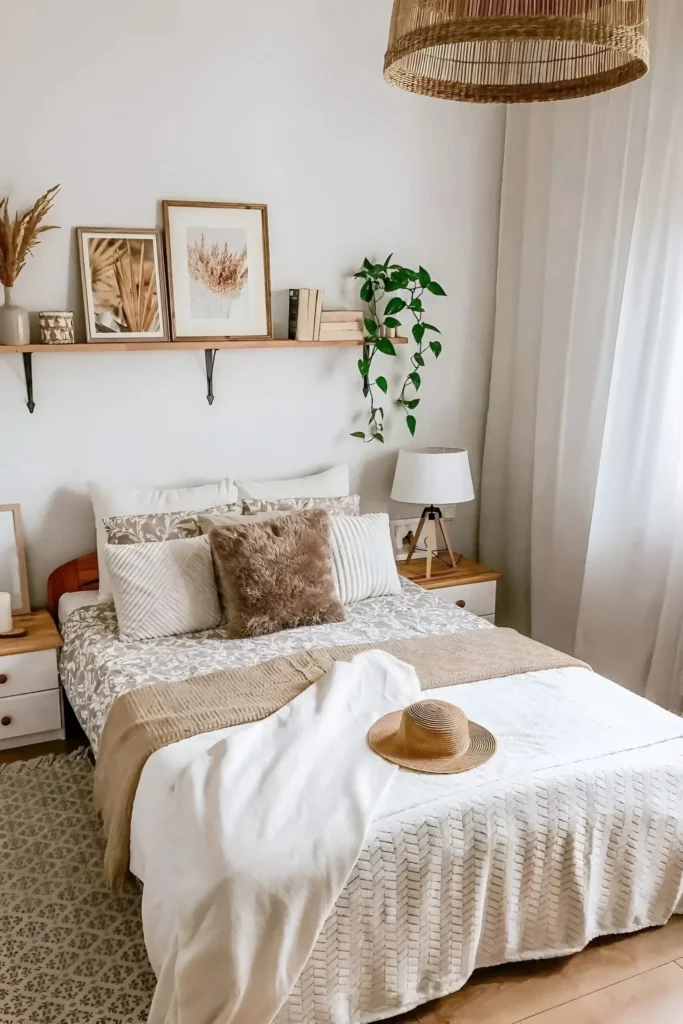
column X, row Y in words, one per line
column 582, row 494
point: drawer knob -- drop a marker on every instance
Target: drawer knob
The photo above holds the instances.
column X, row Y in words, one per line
column 461, row 604
column 6, row 720
column 3, row 679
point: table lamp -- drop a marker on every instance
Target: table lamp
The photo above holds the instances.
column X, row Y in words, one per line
column 432, row 477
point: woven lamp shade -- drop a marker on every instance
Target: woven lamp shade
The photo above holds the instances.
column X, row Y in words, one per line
column 516, row 51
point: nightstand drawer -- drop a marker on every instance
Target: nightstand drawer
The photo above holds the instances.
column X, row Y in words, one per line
column 28, row 673
column 30, row 714
column 479, row 598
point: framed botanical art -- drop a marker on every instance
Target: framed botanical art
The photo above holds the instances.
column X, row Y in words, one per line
column 218, row 270
column 124, row 284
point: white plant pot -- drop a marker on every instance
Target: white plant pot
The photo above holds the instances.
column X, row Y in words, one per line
column 14, row 327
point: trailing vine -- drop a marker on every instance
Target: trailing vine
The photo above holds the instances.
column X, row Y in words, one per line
column 379, row 281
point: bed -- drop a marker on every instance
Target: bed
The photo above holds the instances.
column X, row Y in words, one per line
column 574, row 830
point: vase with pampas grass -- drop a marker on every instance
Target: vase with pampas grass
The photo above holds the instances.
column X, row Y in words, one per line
column 19, row 235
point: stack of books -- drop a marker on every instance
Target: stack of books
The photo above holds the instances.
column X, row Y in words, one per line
column 305, row 313
column 341, row 325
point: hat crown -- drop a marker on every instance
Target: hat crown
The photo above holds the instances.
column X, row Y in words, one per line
column 433, row 728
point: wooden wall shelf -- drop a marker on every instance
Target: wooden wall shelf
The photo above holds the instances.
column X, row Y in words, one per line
column 209, row 348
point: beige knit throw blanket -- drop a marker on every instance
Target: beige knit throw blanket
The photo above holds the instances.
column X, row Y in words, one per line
column 142, row 721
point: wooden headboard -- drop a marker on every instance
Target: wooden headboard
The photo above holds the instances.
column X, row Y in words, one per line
column 81, row 574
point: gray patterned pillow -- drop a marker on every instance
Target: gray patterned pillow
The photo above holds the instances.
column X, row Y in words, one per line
column 152, row 527
column 347, row 505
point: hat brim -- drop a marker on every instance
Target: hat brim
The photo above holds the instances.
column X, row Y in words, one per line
column 384, row 738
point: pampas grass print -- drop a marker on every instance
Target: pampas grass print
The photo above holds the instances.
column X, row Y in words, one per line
column 221, row 270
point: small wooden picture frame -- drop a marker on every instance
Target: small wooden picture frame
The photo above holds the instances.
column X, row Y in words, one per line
column 13, row 574
column 124, row 284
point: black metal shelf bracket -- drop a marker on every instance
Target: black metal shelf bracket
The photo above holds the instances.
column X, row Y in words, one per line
column 28, row 374
column 210, row 359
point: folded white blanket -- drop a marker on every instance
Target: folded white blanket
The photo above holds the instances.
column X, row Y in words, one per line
column 267, row 825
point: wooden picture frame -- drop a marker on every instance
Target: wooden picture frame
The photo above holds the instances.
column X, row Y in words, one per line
column 21, row 605
column 218, row 259
column 124, row 284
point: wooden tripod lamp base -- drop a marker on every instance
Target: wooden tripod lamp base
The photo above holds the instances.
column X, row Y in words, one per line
column 431, row 518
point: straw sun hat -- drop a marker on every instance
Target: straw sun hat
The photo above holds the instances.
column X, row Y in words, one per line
column 432, row 736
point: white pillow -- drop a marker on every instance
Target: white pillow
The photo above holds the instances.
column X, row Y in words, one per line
column 123, row 500
column 363, row 557
column 333, row 483
column 163, row 589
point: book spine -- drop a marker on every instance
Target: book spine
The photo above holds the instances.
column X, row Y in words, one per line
column 302, row 317
column 319, row 297
column 293, row 313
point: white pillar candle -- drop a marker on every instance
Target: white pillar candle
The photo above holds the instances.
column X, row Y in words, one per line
column 5, row 613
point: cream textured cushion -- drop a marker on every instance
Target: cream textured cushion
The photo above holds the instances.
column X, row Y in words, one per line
column 363, row 557
column 339, row 505
column 330, row 484
column 122, row 500
column 163, row 589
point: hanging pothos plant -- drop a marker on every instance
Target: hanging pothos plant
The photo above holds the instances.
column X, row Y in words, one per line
column 400, row 291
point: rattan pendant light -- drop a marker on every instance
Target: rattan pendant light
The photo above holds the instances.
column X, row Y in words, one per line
column 516, row 51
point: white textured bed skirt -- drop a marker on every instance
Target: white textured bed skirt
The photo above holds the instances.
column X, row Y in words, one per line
column 574, row 830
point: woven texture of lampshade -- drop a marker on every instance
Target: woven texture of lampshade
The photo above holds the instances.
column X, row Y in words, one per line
column 516, row 51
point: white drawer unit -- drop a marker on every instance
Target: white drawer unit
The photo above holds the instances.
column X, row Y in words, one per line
column 30, row 717
column 28, row 673
column 478, row 598
column 30, row 697
column 468, row 585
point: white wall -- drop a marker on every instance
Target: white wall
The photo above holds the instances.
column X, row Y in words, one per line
column 282, row 103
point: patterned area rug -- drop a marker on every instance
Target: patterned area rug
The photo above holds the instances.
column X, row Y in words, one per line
column 71, row 952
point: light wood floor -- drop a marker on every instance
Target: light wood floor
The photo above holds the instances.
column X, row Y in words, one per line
column 636, row 979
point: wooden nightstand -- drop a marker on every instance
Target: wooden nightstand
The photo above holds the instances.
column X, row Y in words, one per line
column 469, row 585
column 30, row 698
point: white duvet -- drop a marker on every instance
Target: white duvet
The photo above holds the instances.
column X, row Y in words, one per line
column 574, row 829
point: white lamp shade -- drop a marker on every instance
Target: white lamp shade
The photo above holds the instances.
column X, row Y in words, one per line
column 433, row 476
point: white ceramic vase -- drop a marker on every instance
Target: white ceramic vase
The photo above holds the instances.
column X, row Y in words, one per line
column 14, row 329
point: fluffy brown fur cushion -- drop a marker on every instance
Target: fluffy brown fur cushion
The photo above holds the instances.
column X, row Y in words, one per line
column 277, row 574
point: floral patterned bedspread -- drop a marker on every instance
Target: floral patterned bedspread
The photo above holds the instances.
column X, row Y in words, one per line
column 96, row 666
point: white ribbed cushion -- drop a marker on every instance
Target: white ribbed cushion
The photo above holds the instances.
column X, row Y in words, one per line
column 363, row 557
column 163, row 589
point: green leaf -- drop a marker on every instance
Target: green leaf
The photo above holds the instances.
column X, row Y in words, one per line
column 391, row 321
column 378, row 269
column 401, row 278
column 370, row 326
column 381, row 383
column 391, row 286
column 410, row 274
column 416, row 306
column 411, row 423
column 415, row 379
column 414, row 404
column 361, row 273
column 418, row 333
column 394, row 305
column 418, row 359
column 435, row 288
column 363, row 367
column 431, row 327
column 423, row 277
column 358, row 433
column 385, row 346
column 366, row 292
column 367, row 265
column 378, row 437
column 388, row 260
column 436, row 347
